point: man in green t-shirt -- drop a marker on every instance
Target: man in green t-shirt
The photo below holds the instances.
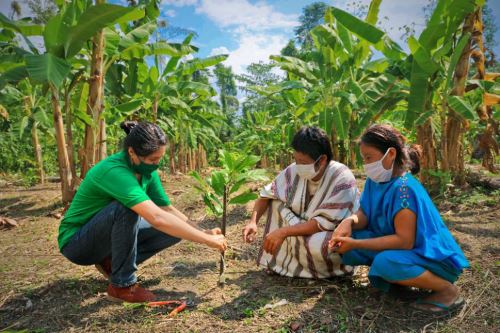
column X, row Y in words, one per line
column 121, row 216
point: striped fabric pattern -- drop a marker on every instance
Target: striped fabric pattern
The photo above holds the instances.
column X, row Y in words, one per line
column 337, row 197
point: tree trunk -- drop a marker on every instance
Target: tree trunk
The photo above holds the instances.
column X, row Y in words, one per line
column 38, row 153
column 335, row 146
column 94, row 104
column 172, row 157
column 28, row 103
column 155, row 108
column 454, row 123
column 69, row 137
column 488, row 143
column 62, row 152
column 101, row 152
column 425, row 138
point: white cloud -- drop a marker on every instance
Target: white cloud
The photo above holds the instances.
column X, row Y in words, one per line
column 219, row 50
column 170, row 13
column 393, row 15
column 254, row 48
column 243, row 14
column 180, row 3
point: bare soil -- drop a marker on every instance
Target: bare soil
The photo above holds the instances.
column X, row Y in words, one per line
column 41, row 291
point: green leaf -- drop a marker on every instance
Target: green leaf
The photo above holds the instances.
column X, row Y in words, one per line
column 177, row 103
column 248, row 161
column 419, row 89
column 54, row 36
column 47, row 68
column 243, row 198
column 422, row 57
column 194, row 65
column 130, row 106
column 92, row 20
column 138, row 35
column 358, row 27
column 373, row 10
column 9, row 24
column 218, row 182
column 460, row 106
column 22, row 126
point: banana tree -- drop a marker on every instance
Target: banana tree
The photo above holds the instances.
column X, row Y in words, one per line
column 64, row 37
column 344, row 90
column 437, row 58
column 222, row 187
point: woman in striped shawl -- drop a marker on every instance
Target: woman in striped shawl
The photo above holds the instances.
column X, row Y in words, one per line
column 304, row 204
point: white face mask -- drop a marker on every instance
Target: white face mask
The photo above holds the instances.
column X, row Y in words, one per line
column 376, row 171
column 307, row 171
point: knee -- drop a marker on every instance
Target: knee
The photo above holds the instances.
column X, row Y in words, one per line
column 384, row 258
column 124, row 214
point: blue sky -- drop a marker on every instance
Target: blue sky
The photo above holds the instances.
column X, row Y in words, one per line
column 249, row 31
column 252, row 30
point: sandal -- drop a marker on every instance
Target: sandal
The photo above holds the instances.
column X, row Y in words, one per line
column 458, row 303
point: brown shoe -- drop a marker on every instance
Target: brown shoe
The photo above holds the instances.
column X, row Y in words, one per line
column 104, row 267
column 131, row 294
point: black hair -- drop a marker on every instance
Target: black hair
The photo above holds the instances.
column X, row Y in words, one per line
column 144, row 137
column 383, row 137
column 313, row 142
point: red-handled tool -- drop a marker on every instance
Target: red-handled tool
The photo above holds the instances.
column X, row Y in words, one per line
column 181, row 305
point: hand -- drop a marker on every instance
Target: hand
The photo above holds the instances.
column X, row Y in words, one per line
column 344, row 229
column 218, row 242
column 214, row 231
column 273, row 241
column 250, row 232
column 343, row 244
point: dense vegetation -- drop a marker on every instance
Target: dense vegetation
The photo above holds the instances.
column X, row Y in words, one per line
column 102, row 63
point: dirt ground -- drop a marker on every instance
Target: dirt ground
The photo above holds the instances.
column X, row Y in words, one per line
column 41, row 291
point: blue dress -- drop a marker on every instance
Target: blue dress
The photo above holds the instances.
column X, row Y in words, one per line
column 434, row 248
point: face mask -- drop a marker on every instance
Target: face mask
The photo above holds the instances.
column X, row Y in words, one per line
column 307, row 171
column 145, row 169
column 376, row 171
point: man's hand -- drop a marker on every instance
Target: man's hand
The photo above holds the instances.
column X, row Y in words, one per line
column 250, row 232
column 273, row 241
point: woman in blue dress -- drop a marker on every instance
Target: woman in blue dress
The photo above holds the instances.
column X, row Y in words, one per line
column 397, row 230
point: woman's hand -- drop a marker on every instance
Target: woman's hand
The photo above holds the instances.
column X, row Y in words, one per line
column 218, row 242
column 273, row 241
column 214, row 231
column 343, row 244
column 344, row 229
column 250, row 232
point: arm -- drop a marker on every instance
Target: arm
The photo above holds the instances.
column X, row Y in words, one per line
column 259, row 209
column 273, row 240
column 171, row 209
column 171, row 224
column 250, row 230
column 405, row 224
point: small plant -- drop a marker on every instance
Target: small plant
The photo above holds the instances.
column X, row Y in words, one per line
column 222, row 187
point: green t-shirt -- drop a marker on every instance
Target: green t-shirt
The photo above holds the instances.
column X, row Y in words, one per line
column 109, row 180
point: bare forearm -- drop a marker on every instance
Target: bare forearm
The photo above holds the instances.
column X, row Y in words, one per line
column 259, row 209
column 171, row 224
column 171, row 209
column 390, row 242
column 360, row 221
column 302, row 229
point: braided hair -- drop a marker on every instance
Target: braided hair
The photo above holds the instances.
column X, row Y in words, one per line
column 144, row 137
